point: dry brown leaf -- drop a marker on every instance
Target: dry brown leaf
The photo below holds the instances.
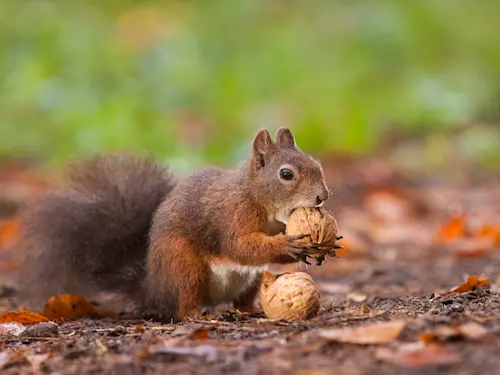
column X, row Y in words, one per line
column 472, row 331
column 427, row 337
column 418, row 355
column 22, row 317
column 138, row 330
column 199, row 334
column 378, row 333
column 441, row 333
column 466, row 331
column 67, row 307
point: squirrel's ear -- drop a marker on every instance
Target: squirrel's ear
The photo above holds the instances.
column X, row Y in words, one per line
column 285, row 139
column 262, row 146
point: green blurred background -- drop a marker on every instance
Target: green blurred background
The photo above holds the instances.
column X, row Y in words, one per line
column 191, row 81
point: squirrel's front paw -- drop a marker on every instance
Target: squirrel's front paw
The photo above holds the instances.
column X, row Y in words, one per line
column 299, row 250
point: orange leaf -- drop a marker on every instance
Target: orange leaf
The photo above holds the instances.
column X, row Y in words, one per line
column 483, row 281
column 68, row 307
column 490, row 231
column 427, row 338
column 199, row 334
column 23, row 317
column 9, row 231
column 453, row 228
column 470, row 283
column 381, row 333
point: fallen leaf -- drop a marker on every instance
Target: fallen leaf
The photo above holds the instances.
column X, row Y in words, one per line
column 466, row 331
column 22, row 317
column 418, row 355
column 199, row 334
column 9, row 232
column 138, row 330
column 472, row 282
column 427, row 337
column 472, row 331
column 378, row 333
column 492, row 232
column 455, row 227
column 357, row 297
column 67, row 307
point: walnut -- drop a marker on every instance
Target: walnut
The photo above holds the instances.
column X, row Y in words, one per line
column 321, row 227
column 289, row 296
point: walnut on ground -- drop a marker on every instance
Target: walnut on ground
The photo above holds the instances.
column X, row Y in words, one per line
column 289, row 296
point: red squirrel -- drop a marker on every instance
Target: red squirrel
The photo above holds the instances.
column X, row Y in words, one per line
column 125, row 225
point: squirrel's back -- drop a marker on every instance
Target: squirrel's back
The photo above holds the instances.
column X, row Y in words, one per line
column 91, row 235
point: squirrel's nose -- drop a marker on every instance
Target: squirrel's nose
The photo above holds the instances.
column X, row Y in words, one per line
column 322, row 197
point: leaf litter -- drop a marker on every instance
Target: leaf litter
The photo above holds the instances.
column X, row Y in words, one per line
column 378, row 309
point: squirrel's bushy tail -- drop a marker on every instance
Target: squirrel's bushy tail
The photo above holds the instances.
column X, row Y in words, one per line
column 92, row 234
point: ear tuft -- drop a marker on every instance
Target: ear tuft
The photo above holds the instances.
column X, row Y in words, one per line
column 285, row 139
column 262, row 146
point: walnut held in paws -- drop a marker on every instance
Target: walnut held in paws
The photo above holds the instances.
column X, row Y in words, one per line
column 321, row 228
column 289, row 296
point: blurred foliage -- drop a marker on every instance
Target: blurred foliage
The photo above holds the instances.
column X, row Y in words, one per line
column 192, row 80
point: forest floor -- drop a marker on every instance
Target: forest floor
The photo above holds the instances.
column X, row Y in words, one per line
column 386, row 301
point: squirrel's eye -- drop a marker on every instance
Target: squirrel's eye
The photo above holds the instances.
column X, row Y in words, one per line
column 286, row 174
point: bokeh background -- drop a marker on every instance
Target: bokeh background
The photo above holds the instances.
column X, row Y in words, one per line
column 191, row 81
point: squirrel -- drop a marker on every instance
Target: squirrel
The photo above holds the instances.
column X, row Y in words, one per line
column 171, row 247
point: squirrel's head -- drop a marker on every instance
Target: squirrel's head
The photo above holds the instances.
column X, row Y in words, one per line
column 284, row 176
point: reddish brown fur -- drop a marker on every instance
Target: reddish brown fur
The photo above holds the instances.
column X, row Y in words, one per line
column 224, row 217
column 94, row 232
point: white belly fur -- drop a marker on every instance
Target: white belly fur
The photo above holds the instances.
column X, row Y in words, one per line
column 229, row 281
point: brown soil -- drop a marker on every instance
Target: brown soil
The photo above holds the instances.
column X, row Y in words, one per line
column 393, row 269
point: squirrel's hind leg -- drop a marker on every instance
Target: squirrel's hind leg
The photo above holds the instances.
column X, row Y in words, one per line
column 175, row 280
column 245, row 302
